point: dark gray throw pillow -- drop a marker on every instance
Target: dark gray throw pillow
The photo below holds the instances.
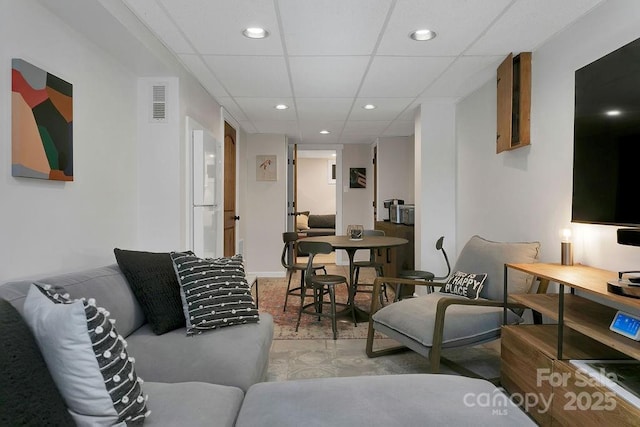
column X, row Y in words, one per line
column 463, row 284
column 215, row 292
column 28, row 395
column 154, row 283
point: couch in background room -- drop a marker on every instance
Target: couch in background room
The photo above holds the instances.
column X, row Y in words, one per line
column 316, row 225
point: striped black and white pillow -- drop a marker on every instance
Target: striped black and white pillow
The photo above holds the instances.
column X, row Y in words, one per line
column 89, row 336
column 214, row 292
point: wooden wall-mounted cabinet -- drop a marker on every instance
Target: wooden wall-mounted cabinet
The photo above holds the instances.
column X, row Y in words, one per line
column 514, row 102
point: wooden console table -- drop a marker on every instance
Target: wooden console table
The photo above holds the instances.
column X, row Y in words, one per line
column 582, row 332
column 396, row 259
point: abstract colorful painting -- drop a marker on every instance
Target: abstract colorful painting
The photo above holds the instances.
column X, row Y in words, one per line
column 41, row 123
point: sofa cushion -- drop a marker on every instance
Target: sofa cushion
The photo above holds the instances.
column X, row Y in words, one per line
column 322, row 221
column 193, row 404
column 384, row 400
column 86, row 358
column 484, row 256
column 28, row 395
column 320, row 232
column 214, row 292
column 464, row 284
column 106, row 284
column 464, row 324
column 235, row 356
column 155, row 285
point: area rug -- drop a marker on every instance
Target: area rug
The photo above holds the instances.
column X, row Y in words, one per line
column 272, row 294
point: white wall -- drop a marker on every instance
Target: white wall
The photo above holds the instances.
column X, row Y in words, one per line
column 357, row 203
column 315, row 193
column 526, row 194
column 435, row 177
column 265, row 214
column 395, row 170
column 48, row 226
column 130, row 182
column 159, row 179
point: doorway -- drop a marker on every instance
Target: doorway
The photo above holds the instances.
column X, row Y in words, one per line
column 316, row 181
column 316, row 194
column 230, row 216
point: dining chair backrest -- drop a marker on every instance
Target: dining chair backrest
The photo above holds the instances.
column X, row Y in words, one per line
column 440, row 247
column 313, row 248
column 372, row 252
column 289, row 238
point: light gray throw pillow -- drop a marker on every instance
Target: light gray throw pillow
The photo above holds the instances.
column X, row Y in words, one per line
column 86, row 358
column 484, row 256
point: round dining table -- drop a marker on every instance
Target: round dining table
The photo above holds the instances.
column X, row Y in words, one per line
column 351, row 246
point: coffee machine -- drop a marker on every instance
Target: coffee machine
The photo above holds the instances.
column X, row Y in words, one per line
column 391, row 209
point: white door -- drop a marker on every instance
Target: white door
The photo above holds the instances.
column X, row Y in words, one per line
column 205, row 207
column 204, row 231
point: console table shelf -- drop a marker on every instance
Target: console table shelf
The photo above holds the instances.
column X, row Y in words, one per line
column 584, row 316
column 580, row 277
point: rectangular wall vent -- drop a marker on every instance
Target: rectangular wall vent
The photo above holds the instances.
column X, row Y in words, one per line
column 159, row 103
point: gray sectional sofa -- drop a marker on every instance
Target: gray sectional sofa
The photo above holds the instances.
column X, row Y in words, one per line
column 214, row 379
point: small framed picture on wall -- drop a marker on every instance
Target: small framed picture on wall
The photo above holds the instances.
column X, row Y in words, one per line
column 357, row 177
column 266, row 168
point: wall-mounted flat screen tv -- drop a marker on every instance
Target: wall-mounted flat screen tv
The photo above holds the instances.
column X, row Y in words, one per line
column 606, row 154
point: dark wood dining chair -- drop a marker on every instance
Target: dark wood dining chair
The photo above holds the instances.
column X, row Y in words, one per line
column 288, row 261
column 320, row 285
column 370, row 263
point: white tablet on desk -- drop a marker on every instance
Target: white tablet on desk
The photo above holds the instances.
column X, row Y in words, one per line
column 626, row 324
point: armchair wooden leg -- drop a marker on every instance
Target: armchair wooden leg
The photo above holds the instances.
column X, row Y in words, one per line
column 371, row 332
column 434, row 359
column 371, row 353
column 436, row 344
column 455, row 366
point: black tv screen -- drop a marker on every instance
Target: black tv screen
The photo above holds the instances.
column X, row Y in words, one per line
column 606, row 152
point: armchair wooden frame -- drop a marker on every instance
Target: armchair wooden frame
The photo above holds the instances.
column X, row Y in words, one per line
column 435, row 352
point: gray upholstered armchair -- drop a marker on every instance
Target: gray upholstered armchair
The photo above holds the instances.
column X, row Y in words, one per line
column 438, row 320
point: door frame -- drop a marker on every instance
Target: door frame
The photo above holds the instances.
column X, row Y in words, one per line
column 225, row 116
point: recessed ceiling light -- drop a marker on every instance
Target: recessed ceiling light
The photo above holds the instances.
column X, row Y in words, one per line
column 281, row 107
column 325, row 132
column 422, row 35
column 333, row 154
column 613, row 113
column 369, row 107
column 255, row 33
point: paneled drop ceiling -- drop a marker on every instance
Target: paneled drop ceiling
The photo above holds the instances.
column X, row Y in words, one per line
column 325, row 59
